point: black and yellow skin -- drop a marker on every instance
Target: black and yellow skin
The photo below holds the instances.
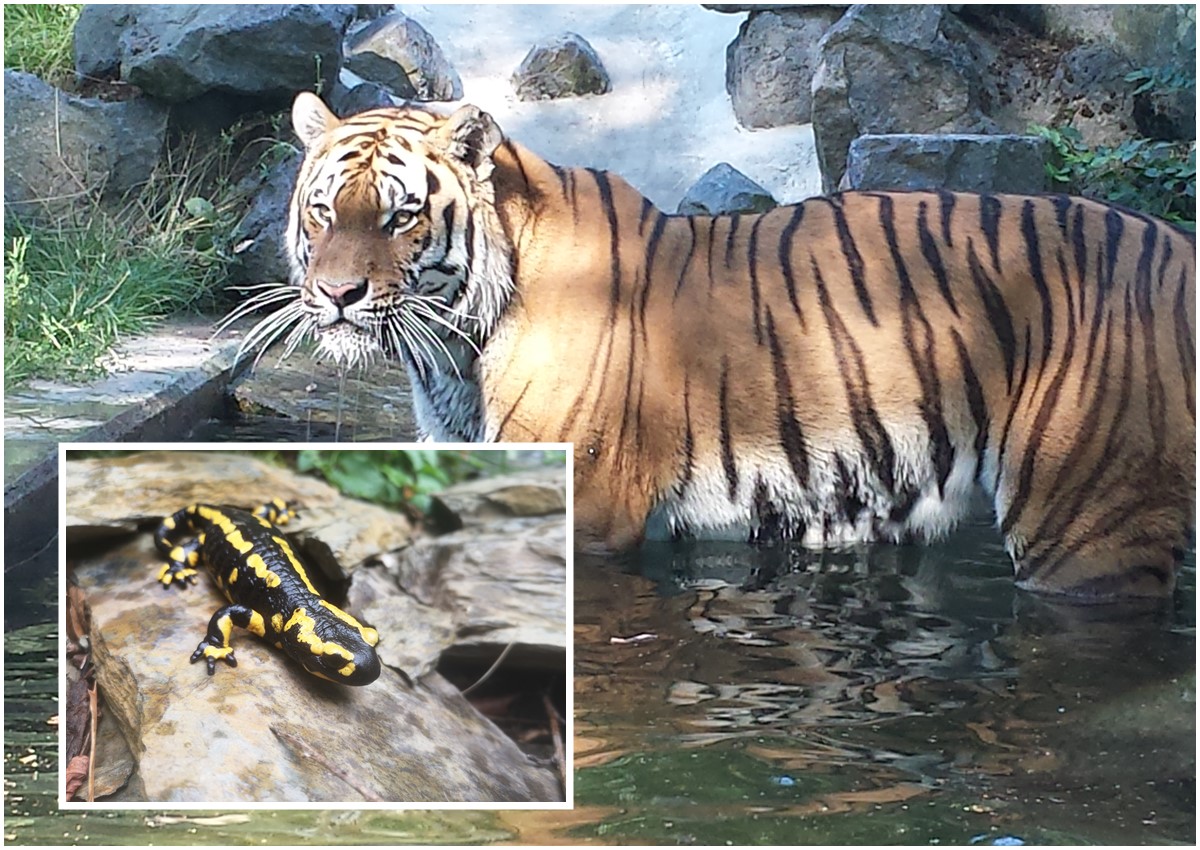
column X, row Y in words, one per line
column 269, row 592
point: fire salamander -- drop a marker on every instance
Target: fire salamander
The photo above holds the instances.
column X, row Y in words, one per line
column 269, row 592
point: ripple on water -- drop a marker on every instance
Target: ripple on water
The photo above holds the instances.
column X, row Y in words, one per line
column 878, row 694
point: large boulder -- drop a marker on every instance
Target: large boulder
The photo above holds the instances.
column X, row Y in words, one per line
column 566, row 66
column 1151, row 35
column 97, row 38
column 1070, row 64
column 258, row 237
column 58, row 147
column 960, row 162
column 398, row 53
column 1156, row 38
column 891, row 69
column 769, row 66
column 178, row 52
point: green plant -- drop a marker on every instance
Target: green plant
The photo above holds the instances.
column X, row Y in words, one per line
column 76, row 283
column 1155, row 177
column 38, row 38
column 411, row 476
column 1158, row 178
column 1165, row 80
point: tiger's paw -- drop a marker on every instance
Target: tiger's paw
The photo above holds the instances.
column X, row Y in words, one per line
column 212, row 653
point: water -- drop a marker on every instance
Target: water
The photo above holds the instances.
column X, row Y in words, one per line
column 889, row 694
column 730, row 694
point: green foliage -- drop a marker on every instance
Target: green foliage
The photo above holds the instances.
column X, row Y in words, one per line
column 38, row 38
column 1166, row 80
column 410, row 477
column 1154, row 177
column 76, row 284
column 1158, row 178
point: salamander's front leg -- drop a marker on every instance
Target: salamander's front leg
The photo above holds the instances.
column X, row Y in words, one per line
column 215, row 645
column 181, row 566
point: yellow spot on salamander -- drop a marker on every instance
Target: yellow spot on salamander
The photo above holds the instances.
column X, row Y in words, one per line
column 306, row 634
column 277, row 622
column 368, row 634
column 233, row 575
column 256, row 563
column 294, row 562
column 178, row 555
column 256, row 626
column 225, row 626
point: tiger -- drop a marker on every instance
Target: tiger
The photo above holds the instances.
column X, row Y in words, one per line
column 844, row 370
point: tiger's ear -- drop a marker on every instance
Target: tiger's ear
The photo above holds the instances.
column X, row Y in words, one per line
column 311, row 118
column 471, row 136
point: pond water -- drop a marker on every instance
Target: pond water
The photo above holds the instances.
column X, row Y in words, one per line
column 891, row 694
column 724, row 693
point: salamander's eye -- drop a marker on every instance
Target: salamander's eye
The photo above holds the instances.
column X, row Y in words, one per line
column 399, row 221
column 322, row 214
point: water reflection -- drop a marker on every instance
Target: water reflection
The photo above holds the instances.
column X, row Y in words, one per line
column 774, row 694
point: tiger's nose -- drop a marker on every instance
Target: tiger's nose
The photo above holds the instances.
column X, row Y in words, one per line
column 343, row 294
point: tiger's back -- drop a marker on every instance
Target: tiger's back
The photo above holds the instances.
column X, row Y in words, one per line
column 852, row 368
column 846, row 369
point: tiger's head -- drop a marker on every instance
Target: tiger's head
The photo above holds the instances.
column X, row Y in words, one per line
column 391, row 235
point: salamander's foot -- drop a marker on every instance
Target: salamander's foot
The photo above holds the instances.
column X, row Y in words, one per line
column 212, row 653
column 176, row 573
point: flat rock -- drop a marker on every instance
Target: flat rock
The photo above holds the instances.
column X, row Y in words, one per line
column 959, row 162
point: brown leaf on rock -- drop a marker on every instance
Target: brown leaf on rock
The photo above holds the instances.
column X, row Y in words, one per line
column 76, row 774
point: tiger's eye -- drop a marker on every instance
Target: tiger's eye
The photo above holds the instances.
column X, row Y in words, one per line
column 398, row 221
column 322, row 213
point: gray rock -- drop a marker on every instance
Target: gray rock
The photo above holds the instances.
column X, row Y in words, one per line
column 738, row 8
column 1150, row 35
column 769, row 66
column 565, row 66
column 395, row 51
column 58, row 147
column 723, row 189
column 176, row 53
column 97, row 39
column 345, row 102
column 961, row 162
column 888, row 69
column 258, row 237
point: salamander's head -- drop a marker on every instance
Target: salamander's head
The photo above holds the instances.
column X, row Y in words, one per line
column 333, row 645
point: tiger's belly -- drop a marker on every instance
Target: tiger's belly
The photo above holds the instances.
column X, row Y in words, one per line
column 842, row 500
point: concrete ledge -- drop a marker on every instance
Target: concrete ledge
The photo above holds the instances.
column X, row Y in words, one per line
column 160, row 387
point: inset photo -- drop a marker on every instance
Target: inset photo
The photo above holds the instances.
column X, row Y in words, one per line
column 322, row 627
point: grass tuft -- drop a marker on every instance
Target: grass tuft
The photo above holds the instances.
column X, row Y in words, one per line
column 39, row 38
column 74, row 286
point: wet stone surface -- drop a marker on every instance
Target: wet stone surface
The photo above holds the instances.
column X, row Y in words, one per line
column 310, row 397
